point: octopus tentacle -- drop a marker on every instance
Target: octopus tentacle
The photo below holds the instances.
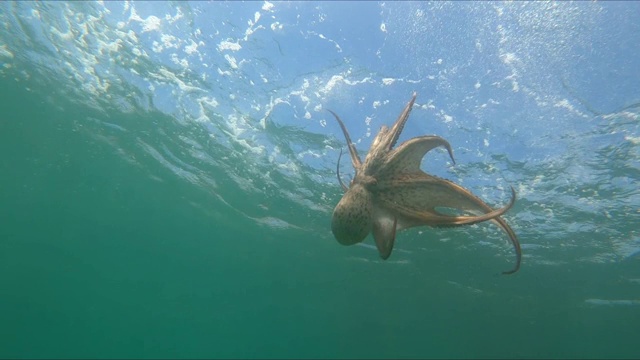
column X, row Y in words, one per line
column 355, row 159
column 344, row 187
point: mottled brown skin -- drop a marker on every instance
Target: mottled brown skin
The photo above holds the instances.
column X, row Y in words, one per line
column 390, row 192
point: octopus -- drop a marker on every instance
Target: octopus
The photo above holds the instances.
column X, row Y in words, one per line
column 389, row 193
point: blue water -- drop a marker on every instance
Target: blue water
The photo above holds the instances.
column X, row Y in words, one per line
column 167, row 179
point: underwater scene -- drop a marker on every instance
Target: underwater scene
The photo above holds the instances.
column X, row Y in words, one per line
column 319, row 179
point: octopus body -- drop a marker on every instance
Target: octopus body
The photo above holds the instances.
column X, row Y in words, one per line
column 389, row 192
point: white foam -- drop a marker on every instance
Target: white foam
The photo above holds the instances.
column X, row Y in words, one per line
column 267, row 6
column 187, row 175
column 446, row 118
column 231, row 60
column 184, row 63
column 151, row 23
column 169, row 41
column 603, row 302
column 274, row 222
column 388, row 81
column 228, row 45
column 4, row 52
column 635, row 140
column 168, row 75
column 193, row 47
column 564, row 103
column 337, row 79
column 509, row 58
column 177, row 16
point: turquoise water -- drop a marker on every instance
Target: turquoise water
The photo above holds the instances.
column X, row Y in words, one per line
column 152, row 208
